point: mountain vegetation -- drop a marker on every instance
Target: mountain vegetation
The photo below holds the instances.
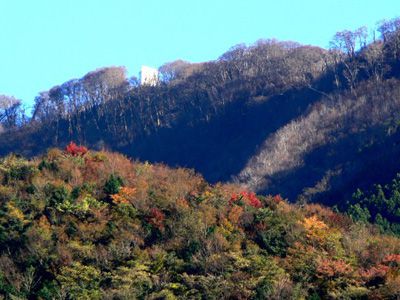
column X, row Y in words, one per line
column 80, row 224
column 381, row 206
column 280, row 117
column 269, row 173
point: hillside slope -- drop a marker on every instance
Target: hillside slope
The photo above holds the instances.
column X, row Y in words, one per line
column 95, row 225
column 341, row 140
column 309, row 123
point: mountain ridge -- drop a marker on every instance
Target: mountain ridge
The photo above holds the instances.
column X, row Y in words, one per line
column 227, row 118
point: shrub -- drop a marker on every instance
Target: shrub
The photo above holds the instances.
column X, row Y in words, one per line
column 75, row 150
column 113, row 185
column 80, row 281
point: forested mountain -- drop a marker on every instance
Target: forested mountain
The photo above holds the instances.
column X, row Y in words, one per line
column 278, row 117
column 286, row 121
column 79, row 224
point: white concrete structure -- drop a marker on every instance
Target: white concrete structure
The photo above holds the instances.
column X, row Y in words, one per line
column 148, row 76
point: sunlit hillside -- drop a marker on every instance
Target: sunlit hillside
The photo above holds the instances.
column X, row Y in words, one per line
column 79, row 224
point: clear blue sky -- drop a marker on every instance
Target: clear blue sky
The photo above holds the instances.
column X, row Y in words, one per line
column 47, row 42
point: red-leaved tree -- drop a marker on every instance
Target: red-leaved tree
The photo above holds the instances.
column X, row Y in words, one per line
column 156, row 218
column 75, row 150
column 248, row 198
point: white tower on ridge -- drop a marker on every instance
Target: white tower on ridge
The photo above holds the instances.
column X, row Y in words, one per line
column 148, row 76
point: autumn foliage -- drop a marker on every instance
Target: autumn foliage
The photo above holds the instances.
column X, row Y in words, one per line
column 247, row 198
column 123, row 196
column 75, row 150
column 104, row 227
column 328, row 268
column 156, row 218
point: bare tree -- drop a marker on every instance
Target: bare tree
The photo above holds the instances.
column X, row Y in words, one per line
column 388, row 28
column 177, row 69
column 10, row 111
column 373, row 62
column 390, row 33
column 344, row 47
column 104, row 84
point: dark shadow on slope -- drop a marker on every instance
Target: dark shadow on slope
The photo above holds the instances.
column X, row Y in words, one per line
column 217, row 149
column 352, row 165
column 221, row 147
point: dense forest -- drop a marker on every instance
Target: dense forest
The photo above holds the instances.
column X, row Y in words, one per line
column 79, row 224
column 269, row 173
column 280, row 117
